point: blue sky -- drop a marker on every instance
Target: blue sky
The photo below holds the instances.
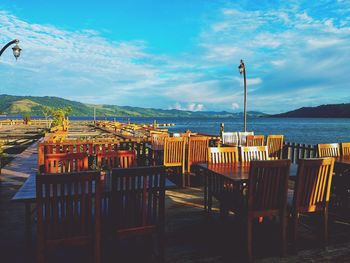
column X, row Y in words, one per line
column 179, row 54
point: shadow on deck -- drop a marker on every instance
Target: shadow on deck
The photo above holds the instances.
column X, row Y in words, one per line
column 191, row 234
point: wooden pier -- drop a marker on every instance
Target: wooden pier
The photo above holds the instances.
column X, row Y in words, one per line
column 191, row 235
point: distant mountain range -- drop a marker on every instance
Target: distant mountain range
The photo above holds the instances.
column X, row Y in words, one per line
column 23, row 105
column 322, row 111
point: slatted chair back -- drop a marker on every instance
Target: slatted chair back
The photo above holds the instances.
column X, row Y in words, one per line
column 157, row 139
column 138, row 197
column 68, row 210
column 267, row 196
column 243, row 137
column 345, row 149
column 65, row 162
column 275, row 146
column 230, row 138
column 312, row 189
column 174, row 152
column 197, row 151
column 328, row 150
column 268, row 187
column 255, row 140
column 223, row 155
column 114, row 159
column 253, row 153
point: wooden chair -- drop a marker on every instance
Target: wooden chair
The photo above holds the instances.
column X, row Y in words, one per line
column 345, row 149
column 114, row 159
column 65, row 162
column 252, row 153
column 174, row 154
column 155, row 152
column 255, row 140
column 68, row 211
column 275, row 145
column 223, row 155
column 197, row 152
column 138, row 203
column 230, row 138
column 267, row 196
column 312, row 191
column 328, row 150
column 243, row 137
column 157, row 139
column 218, row 155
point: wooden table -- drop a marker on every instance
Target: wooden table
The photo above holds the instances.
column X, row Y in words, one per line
column 342, row 164
column 155, row 154
column 228, row 178
column 27, row 195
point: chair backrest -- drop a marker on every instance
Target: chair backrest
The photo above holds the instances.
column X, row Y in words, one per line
column 328, row 150
column 268, row 186
column 68, row 205
column 137, row 199
column 230, row 138
column 197, row 150
column 312, row 188
column 223, row 155
column 345, row 149
column 275, row 145
column 174, row 151
column 252, row 153
column 114, row 159
column 157, row 139
column 243, row 137
column 65, row 162
column 255, row 140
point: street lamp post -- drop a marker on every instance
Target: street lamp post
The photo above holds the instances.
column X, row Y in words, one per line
column 241, row 68
column 16, row 49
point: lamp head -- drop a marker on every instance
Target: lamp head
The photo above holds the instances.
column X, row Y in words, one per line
column 16, row 50
column 241, row 67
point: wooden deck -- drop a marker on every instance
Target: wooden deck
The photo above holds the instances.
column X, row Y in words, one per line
column 191, row 234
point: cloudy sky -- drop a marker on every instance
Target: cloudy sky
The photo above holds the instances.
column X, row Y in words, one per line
column 179, row 54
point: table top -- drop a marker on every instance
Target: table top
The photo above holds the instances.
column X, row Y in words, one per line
column 156, row 147
column 27, row 192
column 343, row 160
column 239, row 172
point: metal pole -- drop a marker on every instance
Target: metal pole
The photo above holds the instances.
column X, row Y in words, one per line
column 245, row 101
column 95, row 115
column 15, row 41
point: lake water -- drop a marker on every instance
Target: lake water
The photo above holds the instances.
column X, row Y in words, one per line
column 299, row 130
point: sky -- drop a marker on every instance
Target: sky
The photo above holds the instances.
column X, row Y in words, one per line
column 181, row 54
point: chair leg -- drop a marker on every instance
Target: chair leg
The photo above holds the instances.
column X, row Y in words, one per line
column 97, row 252
column 294, row 231
column 161, row 242
column 40, row 253
column 249, row 239
column 325, row 227
column 283, row 220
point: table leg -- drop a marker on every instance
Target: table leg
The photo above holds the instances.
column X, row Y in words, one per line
column 28, row 220
column 205, row 191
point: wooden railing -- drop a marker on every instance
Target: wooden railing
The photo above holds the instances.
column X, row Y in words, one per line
column 296, row 151
column 34, row 122
column 93, row 147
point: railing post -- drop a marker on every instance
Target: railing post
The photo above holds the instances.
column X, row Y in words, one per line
column 41, row 155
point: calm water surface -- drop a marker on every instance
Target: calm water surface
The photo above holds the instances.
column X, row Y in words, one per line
column 300, row 130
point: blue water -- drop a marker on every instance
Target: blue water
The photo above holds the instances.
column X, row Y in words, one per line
column 300, row 130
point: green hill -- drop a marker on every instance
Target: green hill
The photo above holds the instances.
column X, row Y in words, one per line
column 22, row 105
column 322, row 111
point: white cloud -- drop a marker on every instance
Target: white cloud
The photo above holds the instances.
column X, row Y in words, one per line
column 287, row 49
column 235, row 106
column 190, row 107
